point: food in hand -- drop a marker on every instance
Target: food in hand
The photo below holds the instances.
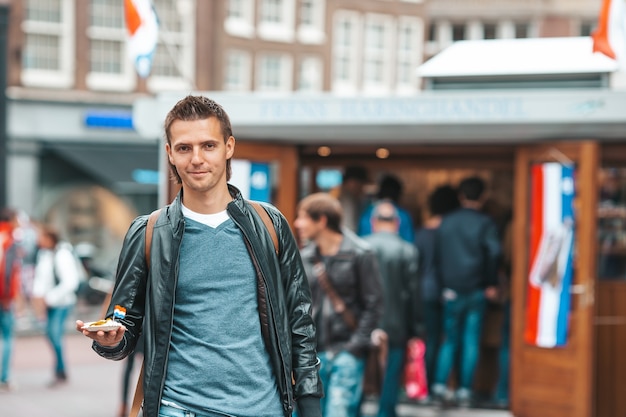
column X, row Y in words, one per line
column 104, row 325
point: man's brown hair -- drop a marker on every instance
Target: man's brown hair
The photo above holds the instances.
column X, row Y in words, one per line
column 198, row 108
column 323, row 204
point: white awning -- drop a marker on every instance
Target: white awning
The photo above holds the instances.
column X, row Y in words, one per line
column 506, row 57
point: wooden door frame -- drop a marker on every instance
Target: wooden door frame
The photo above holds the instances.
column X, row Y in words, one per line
column 581, row 337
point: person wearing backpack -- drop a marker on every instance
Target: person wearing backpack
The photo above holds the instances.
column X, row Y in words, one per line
column 56, row 281
column 216, row 289
column 9, row 290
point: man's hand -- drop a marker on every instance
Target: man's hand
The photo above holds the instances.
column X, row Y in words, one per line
column 108, row 339
column 491, row 293
column 378, row 337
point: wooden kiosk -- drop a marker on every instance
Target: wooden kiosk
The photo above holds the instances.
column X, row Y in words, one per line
column 438, row 136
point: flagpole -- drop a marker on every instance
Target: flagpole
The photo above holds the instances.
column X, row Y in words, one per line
column 170, row 51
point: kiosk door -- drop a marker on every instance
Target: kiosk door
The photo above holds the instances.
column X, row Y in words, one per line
column 552, row 329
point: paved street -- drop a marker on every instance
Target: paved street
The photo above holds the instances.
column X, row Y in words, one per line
column 94, row 383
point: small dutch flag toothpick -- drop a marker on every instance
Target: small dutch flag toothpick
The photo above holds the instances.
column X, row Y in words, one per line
column 119, row 312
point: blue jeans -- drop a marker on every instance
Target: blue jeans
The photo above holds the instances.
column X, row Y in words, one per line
column 432, row 327
column 6, row 326
column 502, row 388
column 55, row 329
column 462, row 322
column 391, row 382
column 342, row 378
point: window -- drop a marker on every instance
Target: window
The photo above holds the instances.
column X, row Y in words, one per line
column 377, row 53
column 307, row 12
column 345, row 52
column 236, row 9
column 240, row 18
column 490, row 31
column 271, row 11
column 237, row 71
column 612, row 223
column 310, row 75
column 277, row 20
column 110, row 67
column 586, row 28
column 311, row 24
column 432, row 32
column 458, row 32
column 410, row 40
column 48, row 56
column 274, row 72
column 174, row 59
column 522, row 30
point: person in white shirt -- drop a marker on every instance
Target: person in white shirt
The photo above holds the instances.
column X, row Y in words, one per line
column 54, row 289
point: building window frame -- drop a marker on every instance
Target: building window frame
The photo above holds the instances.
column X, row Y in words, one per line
column 240, row 18
column 378, row 53
column 346, row 51
column 410, row 45
column 125, row 79
column 277, row 81
column 237, row 71
column 64, row 31
column 277, row 20
column 311, row 30
column 310, row 74
column 176, row 47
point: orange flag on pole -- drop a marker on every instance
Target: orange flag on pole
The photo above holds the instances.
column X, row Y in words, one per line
column 610, row 36
column 143, row 30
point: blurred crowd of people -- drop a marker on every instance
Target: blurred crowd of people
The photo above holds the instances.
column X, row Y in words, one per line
column 40, row 275
column 434, row 283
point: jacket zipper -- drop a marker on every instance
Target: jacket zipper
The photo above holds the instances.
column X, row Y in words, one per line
column 288, row 407
column 173, row 304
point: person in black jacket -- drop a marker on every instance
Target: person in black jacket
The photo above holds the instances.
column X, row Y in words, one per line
column 467, row 252
column 397, row 261
column 226, row 319
column 441, row 201
column 347, row 300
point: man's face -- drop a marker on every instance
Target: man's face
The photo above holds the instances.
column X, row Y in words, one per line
column 306, row 227
column 198, row 152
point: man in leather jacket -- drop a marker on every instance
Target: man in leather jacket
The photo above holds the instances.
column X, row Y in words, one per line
column 345, row 314
column 397, row 260
column 226, row 320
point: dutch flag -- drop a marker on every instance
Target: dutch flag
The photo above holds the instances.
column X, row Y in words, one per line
column 551, row 247
column 143, row 30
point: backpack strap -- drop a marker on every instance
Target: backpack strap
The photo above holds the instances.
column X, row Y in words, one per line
column 138, row 398
column 267, row 222
column 149, row 230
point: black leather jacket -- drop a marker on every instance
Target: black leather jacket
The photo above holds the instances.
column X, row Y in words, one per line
column 353, row 273
column 284, row 300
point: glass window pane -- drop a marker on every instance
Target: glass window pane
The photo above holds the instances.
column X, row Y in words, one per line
column 44, row 10
column 106, row 56
column 612, row 224
column 521, row 30
column 41, row 52
column 107, row 14
column 489, row 31
column 458, row 32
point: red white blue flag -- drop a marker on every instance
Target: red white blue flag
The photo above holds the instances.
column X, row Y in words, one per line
column 551, row 247
column 143, row 31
